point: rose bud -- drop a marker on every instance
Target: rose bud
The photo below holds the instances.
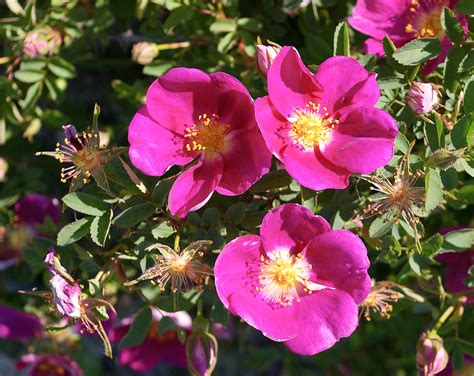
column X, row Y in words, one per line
column 201, row 354
column 422, row 97
column 144, row 52
column 265, row 57
column 431, row 356
column 44, row 41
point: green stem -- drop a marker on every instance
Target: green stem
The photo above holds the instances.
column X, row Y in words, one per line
column 442, row 319
column 176, row 242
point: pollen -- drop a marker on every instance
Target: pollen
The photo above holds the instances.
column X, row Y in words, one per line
column 283, row 277
column 206, row 135
column 312, row 126
column 380, row 299
column 425, row 24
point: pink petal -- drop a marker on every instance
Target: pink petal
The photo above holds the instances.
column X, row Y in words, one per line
column 245, row 161
column 236, row 279
column 142, row 358
column 177, row 98
column 323, row 318
column 291, row 226
column 272, row 126
column 346, row 83
column 374, row 46
column 290, row 83
column 363, row 142
column 154, row 149
column 235, row 105
column 339, row 259
column 313, row 171
column 195, row 186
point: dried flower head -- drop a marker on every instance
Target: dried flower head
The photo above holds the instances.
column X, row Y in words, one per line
column 182, row 268
column 379, row 300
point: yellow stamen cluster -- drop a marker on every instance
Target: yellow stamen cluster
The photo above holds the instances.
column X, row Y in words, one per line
column 312, row 126
column 379, row 299
column 50, row 369
column 283, row 277
column 207, row 135
column 425, row 24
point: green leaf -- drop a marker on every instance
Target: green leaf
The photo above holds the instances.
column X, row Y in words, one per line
column 451, row 26
column 341, row 40
column 85, row 203
column 134, row 215
column 463, row 132
column 55, row 92
column 381, row 225
column 457, row 358
column 74, row 231
column 432, row 245
column 165, row 324
column 468, row 102
column 465, row 7
column 389, row 49
column 177, row 16
column 32, row 95
column 178, row 302
column 226, row 42
column 434, row 189
column 61, row 67
column 467, row 63
column 100, row 228
column 28, row 76
column 139, row 328
column 15, row 7
column 163, row 230
column 459, row 240
column 435, row 133
column 249, row 24
column 272, row 180
column 157, row 68
column 223, row 26
column 418, row 51
column 235, row 214
column 160, row 192
column 33, row 64
column 450, row 74
column 413, row 262
column 211, row 216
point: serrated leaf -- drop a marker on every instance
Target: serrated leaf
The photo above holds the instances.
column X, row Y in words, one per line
column 272, row 180
column 74, row 231
column 177, row 16
column 61, row 67
column 85, row 203
column 468, row 102
column 435, row 133
column 451, row 66
column 418, row 51
column 139, row 328
column 163, row 230
column 165, row 324
column 160, row 192
column 451, row 26
column 341, row 40
column 459, row 240
column 389, row 49
column 100, row 228
column 134, row 215
column 465, row 7
column 434, row 189
column 432, row 245
column 467, row 63
column 463, row 132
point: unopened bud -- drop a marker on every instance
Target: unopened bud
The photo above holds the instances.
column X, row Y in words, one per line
column 144, row 52
column 431, row 356
column 265, row 57
column 422, row 97
column 43, row 41
column 444, row 158
column 3, row 169
column 201, row 354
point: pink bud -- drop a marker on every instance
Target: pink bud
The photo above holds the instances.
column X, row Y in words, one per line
column 201, row 354
column 422, row 97
column 265, row 57
column 44, row 41
column 431, row 356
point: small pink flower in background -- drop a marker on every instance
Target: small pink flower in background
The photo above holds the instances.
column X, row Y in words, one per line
column 457, row 267
column 49, row 365
column 422, row 97
column 155, row 347
column 18, row 325
column 43, row 41
column 402, row 21
column 431, row 356
column 190, row 115
column 324, row 126
column 299, row 282
column 265, row 57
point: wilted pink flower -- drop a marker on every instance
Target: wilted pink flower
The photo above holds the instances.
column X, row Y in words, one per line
column 155, row 347
column 201, row 353
column 18, row 325
column 144, row 52
column 299, row 282
column 324, row 126
column 44, row 41
column 457, row 267
column 49, row 365
column 431, row 356
column 402, row 21
column 265, row 57
column 422, row 97
column 190, row 115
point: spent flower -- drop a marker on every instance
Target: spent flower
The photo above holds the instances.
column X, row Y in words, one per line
column 380, row 299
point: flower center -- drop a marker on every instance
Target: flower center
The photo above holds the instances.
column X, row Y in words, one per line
column 282, row 276
column 168, row 335
column 206, row 135
column 427, row 24
column 311, row 127
column 46, row 368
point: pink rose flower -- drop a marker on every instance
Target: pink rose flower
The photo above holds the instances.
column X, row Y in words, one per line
column 155, row 347
column 402, row 21
column 422, row 97
column 324, row 126
column 299, row 282
column 49, row 364
column 190, row 115
column 18, row 325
